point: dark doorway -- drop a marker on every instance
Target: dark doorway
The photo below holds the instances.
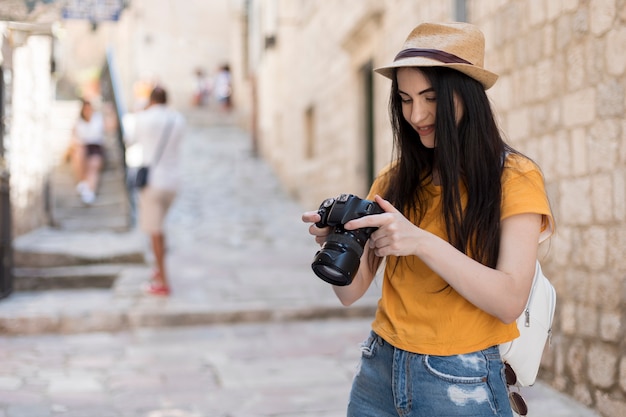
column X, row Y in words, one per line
column 6, row 277
column 367, row 129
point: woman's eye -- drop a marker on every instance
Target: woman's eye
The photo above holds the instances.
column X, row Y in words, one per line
column 405, row 100
column 431, row 98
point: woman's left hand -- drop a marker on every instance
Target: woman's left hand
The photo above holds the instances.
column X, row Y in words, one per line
column 396, row 235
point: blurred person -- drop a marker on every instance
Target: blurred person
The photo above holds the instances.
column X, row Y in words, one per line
column 158, row 130
column 141, row 91
column 202, row 88
column 87, row 155
column 222, row 87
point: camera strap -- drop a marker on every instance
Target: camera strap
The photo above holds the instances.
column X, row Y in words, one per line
column 163, row 140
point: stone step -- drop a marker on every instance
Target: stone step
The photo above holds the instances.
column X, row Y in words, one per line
column 66, row 277
column 99, row 310
column 116, row 224
column 111, row 210
column 49, row 247
column 203, row 116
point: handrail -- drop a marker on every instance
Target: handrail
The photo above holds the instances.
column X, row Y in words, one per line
column 111, row 91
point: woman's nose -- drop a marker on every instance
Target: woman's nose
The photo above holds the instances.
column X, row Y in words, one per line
column 418, row 113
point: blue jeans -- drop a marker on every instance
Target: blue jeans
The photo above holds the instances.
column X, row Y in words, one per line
column 391, row 382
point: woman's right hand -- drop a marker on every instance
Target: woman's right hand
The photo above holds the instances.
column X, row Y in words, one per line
column 319, row 233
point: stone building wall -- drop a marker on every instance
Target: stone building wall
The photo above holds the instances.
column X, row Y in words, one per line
column 560, row 99
column 28, row 142
column 311, row 124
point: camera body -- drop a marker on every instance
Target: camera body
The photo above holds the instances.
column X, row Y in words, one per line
column 337, row 262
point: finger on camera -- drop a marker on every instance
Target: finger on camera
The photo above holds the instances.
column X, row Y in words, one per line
column 319, row 231
column 311, row 217
column 373, row 220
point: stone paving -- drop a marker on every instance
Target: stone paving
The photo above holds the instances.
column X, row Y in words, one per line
column 248, row 331
column 278, row 369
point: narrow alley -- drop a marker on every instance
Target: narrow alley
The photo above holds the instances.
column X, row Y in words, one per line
column 248, row 331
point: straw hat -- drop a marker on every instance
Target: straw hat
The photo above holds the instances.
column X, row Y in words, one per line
column 460, row 46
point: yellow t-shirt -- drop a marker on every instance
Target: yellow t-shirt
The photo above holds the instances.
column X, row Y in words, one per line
column 415, row 315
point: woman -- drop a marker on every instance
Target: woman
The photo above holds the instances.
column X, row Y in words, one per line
column 464, row 214
column 88, row 151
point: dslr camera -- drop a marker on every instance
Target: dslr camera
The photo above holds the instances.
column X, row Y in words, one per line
column 338, row 260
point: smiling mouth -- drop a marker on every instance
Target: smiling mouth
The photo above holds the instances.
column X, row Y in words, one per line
column 425, row 130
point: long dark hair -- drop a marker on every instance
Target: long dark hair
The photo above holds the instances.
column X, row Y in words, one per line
column 84, row 104
column 468, row 154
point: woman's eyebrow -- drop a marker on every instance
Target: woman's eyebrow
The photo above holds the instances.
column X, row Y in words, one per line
column 428, row 90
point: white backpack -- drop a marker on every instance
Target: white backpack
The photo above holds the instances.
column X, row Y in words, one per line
column 535, row 327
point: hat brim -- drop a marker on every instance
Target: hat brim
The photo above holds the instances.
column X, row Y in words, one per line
column 486, row 78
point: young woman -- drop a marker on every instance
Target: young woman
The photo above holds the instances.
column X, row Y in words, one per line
column 464, row 214
column 88, row 151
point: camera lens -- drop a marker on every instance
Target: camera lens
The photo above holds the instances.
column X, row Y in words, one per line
column 330, row 273
column 338, row 260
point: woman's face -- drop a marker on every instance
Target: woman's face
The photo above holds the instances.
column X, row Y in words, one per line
column 419, row 104
column 87, row 111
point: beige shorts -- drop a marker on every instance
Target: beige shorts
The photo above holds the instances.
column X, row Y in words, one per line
column 153, row 207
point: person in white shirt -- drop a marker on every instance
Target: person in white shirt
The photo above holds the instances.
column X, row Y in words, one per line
column 223, row 88
column 159, row 130
column 88, row 151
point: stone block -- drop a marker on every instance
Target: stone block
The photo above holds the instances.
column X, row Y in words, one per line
column 575, row 206
column 619, row 195
column 567, row 318
column 622, row 373
column 594, row 244
column 611, row 328
column 602, row 365
column 586, row 321
column 582, row 394
column 579, row 108
column 580, row 154
column 615, row 57
column 609, row 406
column 616, row 249
column 602, row 16
column 564, row 154
column 611, row 100
column 537, row 12
column 575, row 68
column 603, row 145
column 604, row 290
column 576, row 356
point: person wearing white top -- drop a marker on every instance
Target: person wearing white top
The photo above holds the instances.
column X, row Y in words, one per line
column 159, row 131
column 88, row 151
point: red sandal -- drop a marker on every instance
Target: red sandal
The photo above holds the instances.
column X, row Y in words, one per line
column 157, row 289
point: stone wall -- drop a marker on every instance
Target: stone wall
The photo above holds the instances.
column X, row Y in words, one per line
column 310, row 118
column 560, row 100
column 28, row 141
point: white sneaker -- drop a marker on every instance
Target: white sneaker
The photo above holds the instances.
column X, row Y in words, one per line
column 88, row 196
column 81, row 187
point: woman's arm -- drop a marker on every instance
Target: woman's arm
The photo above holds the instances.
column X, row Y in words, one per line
column 501, row 292
column 349, row 294
column 367, row 270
